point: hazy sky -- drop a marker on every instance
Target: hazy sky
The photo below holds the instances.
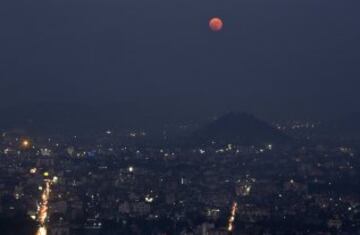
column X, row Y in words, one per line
column 273, row 57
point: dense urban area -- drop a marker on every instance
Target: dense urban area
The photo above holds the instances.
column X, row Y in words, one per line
column 114, row 183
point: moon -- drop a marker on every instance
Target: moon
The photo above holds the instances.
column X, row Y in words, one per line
column 216, row 24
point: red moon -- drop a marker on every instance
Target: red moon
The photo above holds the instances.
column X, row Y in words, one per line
column 216, row 24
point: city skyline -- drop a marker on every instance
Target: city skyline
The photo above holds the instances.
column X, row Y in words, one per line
column 179, row 117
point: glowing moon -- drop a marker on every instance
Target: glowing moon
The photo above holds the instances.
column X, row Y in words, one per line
column 216, row 24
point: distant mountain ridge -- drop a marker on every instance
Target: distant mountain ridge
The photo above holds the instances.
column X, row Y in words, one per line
column 238, row 128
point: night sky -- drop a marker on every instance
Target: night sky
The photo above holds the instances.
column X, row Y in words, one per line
column 273, row 57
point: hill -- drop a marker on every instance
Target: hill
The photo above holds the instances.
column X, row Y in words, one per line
column 238, row 128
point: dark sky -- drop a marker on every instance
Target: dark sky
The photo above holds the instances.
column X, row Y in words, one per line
column 273, row 57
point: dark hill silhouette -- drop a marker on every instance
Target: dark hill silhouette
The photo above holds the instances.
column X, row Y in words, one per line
column 238, row 128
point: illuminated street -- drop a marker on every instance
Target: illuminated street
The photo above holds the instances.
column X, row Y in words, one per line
column 43, row 209
column 179, row 117
column 232, row 217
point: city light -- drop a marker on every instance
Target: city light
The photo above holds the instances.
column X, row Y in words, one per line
column 230, row 226
column 179, row 117
column 43, row 209
column 149, row 199
column 25, row 144
column 55, row 179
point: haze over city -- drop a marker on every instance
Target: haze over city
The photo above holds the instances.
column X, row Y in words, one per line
column 179, row 117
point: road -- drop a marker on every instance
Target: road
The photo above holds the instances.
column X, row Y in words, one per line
column 43, row 209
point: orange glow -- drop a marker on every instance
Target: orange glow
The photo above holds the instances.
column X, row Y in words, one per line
column 216, row 24
column 25, row 143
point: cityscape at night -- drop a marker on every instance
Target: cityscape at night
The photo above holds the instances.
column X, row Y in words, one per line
column 119, row 182
column 179, row 117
